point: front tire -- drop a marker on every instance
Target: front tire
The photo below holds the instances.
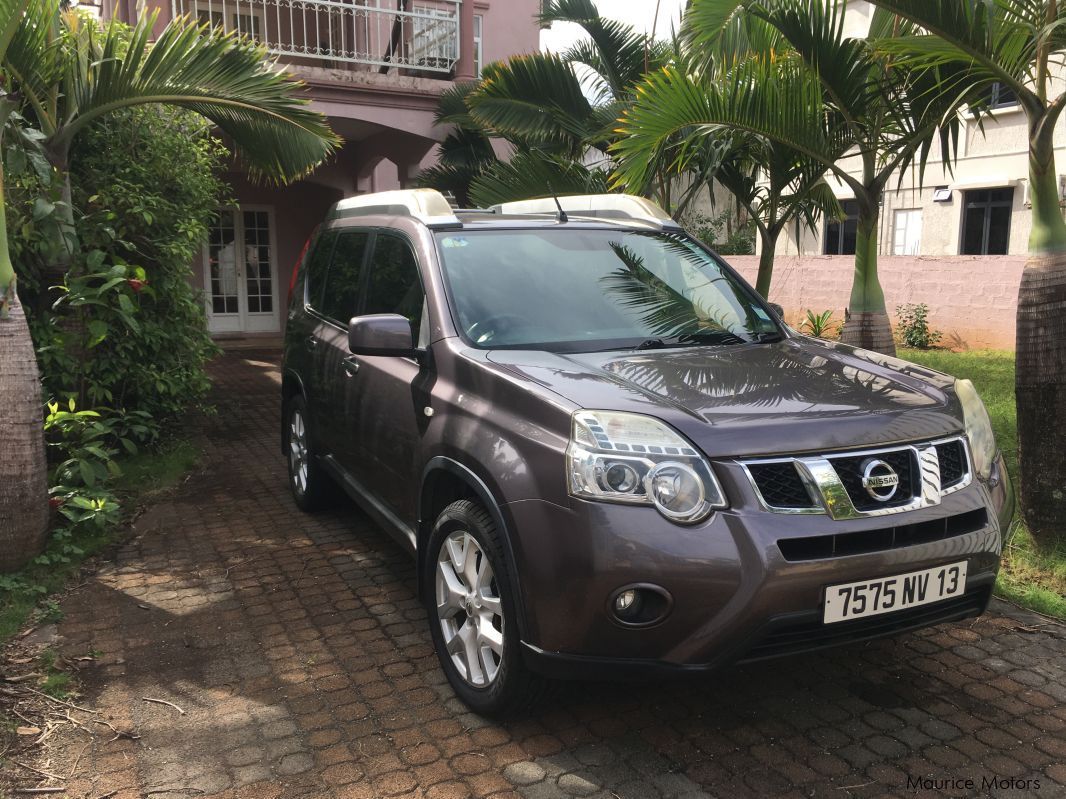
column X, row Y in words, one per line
column 311, row 487
column 472, row 614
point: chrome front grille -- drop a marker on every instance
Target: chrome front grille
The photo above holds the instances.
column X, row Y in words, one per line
column 872, row 482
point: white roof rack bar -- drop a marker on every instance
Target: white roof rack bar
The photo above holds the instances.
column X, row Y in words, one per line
column 426, row 205
column 627, row 206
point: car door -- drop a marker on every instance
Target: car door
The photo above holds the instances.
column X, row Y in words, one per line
column 386, row 400
column 340, row 301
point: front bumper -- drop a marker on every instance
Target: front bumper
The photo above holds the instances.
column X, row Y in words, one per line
column 736, row 597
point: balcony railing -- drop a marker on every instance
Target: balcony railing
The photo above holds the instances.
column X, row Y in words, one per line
column 371, row 33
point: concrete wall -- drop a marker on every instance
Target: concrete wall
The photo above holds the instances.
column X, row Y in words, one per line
column 972, row 299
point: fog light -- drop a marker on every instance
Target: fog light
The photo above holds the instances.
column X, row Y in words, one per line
column 624, row 602
column 639, row 604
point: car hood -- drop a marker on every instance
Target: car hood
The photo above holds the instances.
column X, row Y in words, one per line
column 796, row 395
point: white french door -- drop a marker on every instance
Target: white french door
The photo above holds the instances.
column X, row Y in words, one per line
column 241, row 274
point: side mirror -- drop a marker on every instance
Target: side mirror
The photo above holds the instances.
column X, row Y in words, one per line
column 778, row 310
column 381, row 334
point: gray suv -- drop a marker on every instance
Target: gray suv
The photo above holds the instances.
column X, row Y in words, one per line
column 608, row 454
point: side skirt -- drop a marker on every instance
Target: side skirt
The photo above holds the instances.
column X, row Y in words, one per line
column 374, row 508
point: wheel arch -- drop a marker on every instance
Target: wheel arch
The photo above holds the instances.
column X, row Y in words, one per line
column 445, row 480
column 292, row 385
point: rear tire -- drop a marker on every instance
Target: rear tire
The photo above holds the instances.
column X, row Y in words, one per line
column 312, row 489
column 471, row 606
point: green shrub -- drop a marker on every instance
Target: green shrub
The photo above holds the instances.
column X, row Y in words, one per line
column 913, row 329
column 820, row 325
column 124, row 328
column 717, row 233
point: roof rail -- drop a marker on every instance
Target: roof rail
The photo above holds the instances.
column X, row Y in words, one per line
column 426, row 205
column 606, row 206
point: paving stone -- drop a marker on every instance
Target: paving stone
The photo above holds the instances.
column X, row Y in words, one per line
column 577, row 785
column 525, row 773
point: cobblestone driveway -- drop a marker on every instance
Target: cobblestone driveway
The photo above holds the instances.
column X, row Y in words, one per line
column 302, row 659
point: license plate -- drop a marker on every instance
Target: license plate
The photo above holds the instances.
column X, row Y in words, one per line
column 886, row 594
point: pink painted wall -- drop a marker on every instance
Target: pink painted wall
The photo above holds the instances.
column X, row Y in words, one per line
column 972, row 299
column 508, row 28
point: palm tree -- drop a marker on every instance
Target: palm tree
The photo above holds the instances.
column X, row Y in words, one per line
column 827, row 96
column 774, row 183
column 557, row 113
column 466, row 151
column 1015, row 43
column 66, row 73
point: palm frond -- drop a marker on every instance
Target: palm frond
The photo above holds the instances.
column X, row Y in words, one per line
column 617, row 52
column 535, row 174
column 725, row 32
column 35, row 57
column 223, row 77
column 534, row 97
column 784, row 105
column 11, row 12
column 451, row 107
column 997, row 39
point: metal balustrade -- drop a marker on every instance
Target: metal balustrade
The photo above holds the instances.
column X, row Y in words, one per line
column 371, row 33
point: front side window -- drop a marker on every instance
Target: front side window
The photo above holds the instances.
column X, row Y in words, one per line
column 340, row 297
column 394, row 285
column 986, row 221
column 580, row 290
column 840, row 234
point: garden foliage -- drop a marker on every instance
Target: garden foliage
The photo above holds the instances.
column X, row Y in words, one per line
column 123, row 328
column 120, row 331
column 913, row 328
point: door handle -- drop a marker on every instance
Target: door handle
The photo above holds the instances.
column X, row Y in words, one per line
column 311, row 342
column 351, row 367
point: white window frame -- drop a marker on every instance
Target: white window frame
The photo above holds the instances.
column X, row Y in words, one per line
column 912, row 241
column 479, row 30
column 245, row 321
column 426, row 43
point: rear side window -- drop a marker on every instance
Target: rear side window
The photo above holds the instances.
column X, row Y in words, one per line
column 317, row 264
column 394, row 283
column 340, row 298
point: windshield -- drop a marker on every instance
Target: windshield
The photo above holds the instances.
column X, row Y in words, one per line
column 580, row 290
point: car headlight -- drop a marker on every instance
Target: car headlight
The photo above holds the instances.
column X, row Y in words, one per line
column 978, row 428
column 627, row 457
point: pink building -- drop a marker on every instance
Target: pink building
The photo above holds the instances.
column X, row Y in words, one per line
column 374, row 67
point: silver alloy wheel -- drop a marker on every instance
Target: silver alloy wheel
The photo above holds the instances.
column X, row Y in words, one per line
column 298, row 452
column 469, row 609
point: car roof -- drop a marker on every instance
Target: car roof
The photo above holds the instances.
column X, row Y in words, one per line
column 431, row 209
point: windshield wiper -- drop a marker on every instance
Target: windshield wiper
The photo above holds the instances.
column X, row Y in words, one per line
column 768, row 337
column 651, row 344
column 710, row 337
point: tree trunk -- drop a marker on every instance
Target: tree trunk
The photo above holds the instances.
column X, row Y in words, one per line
column 23, row 470
column 766, row 264
column 866, row 321
column 1040, row 382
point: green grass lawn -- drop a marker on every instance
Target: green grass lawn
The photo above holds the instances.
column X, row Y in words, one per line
column 1030, row 577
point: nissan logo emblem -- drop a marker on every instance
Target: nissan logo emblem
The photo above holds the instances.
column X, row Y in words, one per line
column 879, row 479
